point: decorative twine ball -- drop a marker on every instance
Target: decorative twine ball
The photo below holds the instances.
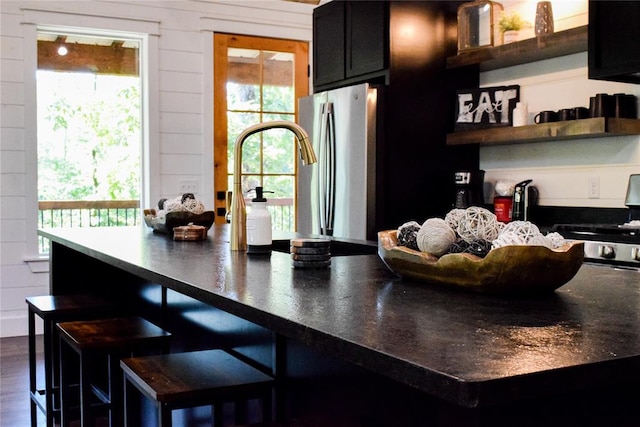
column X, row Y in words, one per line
column 478, row 224
column 184, row 204
column 478, row 247
column 407, row 235
column 519, row 233
column 526, row 229
column 435, row 237
column 556, row 240
column 508, row 238
column 453, row 218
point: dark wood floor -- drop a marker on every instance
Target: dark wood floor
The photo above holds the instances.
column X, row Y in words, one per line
column 14, row 382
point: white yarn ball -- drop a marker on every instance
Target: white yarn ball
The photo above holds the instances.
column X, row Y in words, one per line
column 435, row 237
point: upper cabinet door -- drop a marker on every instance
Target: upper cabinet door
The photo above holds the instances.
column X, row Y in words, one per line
column 614, row 34
column 328, row 43
column 367, row 38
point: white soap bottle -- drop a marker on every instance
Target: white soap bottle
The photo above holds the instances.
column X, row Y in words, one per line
column 259, row 225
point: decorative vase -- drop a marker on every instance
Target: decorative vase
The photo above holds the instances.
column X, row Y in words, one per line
column 478, row 25
column 544, row 18
column 511, row 36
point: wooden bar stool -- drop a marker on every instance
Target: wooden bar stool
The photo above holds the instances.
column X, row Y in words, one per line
column 53, row 309
column 103, row 342
column 192, row 379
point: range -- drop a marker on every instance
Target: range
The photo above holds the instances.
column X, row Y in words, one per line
column 615, row 244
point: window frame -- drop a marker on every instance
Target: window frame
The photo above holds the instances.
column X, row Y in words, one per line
column 35, row 21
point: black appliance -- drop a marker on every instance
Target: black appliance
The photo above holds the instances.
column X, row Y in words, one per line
column 524, row 196
column 614, row 244
column 469, row 189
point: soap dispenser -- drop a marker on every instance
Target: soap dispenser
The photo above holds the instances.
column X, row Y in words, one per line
column 259, row 225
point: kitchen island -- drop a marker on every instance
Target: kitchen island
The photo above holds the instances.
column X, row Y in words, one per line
column 356, row 345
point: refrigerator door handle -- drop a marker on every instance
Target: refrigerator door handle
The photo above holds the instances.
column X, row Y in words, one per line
column 331, row 171
column 322, row 167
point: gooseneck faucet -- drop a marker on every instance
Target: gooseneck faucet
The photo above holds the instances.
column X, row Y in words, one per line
column 238, row 206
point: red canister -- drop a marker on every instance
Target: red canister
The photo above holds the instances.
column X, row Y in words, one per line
column 502, row 207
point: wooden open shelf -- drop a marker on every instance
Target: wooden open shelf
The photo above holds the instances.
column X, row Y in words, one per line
column 553, row 45
column 598, row 127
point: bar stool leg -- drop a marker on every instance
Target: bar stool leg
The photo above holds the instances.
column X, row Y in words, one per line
column 65, row 396
column 217, row 410
column 49, row 371
column 32, row 367
column 164, row 415
column 85, row 388
column 116, row 388
column 267, row 415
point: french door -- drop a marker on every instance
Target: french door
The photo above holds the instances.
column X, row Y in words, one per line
column 258, row 80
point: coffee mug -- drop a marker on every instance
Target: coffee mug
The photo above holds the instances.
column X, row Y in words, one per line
column 546, row 117
column 566, row 114
column 581, row 113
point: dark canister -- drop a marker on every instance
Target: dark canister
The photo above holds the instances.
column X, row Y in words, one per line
column 602, row 105
column 625, row 106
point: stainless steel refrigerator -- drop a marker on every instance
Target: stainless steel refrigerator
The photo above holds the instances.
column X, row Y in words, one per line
column 337, row 195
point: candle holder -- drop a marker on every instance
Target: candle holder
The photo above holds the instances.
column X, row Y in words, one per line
column 544, row 18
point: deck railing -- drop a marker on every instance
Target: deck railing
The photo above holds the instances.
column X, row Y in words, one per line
column 86, row 213
column 113, row 213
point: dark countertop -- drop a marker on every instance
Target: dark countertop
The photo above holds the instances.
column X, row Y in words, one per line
column 469, row 349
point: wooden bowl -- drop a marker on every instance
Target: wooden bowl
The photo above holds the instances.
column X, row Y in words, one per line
column 513, row 269
column 177, row 219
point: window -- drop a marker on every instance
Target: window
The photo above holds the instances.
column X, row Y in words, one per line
column 89, row 130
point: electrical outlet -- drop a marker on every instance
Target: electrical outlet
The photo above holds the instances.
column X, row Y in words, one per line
column 593, row 187
column 187, row 186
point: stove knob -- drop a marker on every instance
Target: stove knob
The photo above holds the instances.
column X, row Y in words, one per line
column 635, row 254
column 606, row 251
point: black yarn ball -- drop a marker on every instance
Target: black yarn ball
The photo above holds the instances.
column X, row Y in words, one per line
column 477, row 247
column 407, row 235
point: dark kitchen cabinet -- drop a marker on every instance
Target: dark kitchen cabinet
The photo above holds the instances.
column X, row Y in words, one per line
column 350, row 41
column 367, row 41
column 614, row 34
column 328, row 43
column 401, row 46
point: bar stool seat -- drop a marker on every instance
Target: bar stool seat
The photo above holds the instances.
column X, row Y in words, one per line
column 192, row 379
column 53, row 309
column 97, row 342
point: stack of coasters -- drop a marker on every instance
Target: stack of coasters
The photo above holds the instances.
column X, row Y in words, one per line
column 311, row 253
